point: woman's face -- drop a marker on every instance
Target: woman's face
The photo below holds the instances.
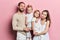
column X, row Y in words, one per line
column 37, row 14
column 44, row 15
column 29, row 10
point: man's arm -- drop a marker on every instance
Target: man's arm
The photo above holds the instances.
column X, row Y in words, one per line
column 15, row 25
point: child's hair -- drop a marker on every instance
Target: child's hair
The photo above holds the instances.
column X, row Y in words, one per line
column 35, row 12
column 28, row 7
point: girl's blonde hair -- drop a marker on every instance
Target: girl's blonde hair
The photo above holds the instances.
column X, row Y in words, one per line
column 28, row 7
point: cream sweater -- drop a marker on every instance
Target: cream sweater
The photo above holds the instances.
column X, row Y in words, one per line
column 18, row 22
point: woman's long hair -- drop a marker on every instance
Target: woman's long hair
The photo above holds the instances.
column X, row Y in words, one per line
column 48, row 16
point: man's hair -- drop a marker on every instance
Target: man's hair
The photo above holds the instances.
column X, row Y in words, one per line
column 20, row 3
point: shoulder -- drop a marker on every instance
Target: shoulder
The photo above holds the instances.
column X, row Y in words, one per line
column 15, row 14
column 33, row 19
column 48, row 22
column 31, row 13
column 26, row 14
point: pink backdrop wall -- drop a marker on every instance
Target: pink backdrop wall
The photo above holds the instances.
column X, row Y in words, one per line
column 7, row 9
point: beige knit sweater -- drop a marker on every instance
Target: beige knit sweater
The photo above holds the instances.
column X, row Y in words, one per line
column 18, row 22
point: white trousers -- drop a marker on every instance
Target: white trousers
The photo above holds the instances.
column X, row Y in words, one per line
column 41, row 37
column 20, row 36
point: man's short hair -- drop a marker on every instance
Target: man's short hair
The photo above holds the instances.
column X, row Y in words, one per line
column 20, row 3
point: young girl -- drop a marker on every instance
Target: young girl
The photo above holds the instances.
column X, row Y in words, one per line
column 36, row 24
column 44, row 27
column 29, row 16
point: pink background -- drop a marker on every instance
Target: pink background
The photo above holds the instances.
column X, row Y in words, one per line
column 8, row 7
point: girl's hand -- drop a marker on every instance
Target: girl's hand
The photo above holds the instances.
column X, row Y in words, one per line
column 35, row 33
column 30, row 29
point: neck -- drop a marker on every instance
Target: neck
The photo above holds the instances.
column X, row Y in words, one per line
column 20, row 12
column 30, row 13
column 43, row 19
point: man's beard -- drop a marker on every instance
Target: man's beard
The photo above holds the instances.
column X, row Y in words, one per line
column 21, row 10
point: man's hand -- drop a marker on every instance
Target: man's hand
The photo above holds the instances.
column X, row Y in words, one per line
column 26, row 29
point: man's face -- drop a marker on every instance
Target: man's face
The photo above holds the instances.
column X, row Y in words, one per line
column 22, row 7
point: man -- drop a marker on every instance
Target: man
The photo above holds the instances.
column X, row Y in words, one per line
column 18, row 22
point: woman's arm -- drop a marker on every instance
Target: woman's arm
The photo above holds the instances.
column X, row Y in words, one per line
column 46, row 29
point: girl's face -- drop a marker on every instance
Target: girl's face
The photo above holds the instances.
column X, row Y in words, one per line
column 44, row 15
column 37, row 14
column 29, row 10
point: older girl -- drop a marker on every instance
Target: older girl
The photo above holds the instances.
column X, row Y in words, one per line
column 29, row 16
